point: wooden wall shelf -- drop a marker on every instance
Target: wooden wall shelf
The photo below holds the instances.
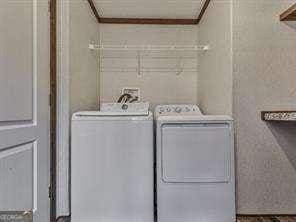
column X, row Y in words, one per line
column 289, row 14
column 283, row 116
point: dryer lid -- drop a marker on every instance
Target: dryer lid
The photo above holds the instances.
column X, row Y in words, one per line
column 196, row 153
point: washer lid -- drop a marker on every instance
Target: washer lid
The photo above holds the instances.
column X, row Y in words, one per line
column 117, row 110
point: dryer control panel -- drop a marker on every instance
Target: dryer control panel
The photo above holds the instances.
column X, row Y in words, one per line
column 177, row 110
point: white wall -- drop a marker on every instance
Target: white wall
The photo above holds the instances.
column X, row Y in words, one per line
column 160, row 84
column 215, row 66
column 264, row 79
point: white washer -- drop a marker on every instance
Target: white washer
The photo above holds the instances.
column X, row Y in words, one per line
column 112, row 165
column 195, row 165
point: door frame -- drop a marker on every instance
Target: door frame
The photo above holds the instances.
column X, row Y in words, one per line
column 60, row 109
column 53, row 106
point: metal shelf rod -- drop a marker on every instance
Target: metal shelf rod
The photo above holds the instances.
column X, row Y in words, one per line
column 149, row 47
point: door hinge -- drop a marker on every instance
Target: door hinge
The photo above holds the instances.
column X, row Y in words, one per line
column 50, row 193
column 49, row 6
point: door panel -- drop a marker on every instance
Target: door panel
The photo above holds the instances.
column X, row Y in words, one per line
column 24, row 109
column 17, row 164
column 16, row 59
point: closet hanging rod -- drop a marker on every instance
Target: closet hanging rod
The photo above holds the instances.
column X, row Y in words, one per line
column 107, row 69
column 149, row 47
column 149, row 57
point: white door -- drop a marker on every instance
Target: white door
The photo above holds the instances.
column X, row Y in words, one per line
column 24, row 107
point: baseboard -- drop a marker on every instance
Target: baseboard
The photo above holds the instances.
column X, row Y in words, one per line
column 266, row 215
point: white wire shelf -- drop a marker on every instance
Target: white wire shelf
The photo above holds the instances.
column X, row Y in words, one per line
column 156, row 70
column 149, row 47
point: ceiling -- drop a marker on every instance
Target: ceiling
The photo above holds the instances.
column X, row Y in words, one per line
column 154, row 9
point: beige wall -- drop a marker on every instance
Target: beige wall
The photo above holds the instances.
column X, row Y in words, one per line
column 215, row 66
column 84, row 29
column 264, row 79
column 160, row 82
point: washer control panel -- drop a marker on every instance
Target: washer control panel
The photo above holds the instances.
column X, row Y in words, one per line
column 177, row 109
column 129, row 108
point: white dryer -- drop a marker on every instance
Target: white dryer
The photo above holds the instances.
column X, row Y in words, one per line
column 195, row 165
column 112, row 164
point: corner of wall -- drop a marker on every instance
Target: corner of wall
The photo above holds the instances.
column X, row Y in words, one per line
column 215, row 66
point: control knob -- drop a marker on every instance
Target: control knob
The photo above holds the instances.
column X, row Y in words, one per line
column 161, row 110
column 178, row 109
column 124, row 107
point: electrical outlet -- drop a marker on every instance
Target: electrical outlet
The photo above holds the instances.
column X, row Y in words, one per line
column 134, row 92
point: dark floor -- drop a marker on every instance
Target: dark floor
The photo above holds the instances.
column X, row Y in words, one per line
column 244, row 219
column 266, row 219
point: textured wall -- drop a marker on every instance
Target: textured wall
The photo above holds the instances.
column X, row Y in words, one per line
column 264, row 79
column 159, row 80
column 215, row 66
column 84, row 29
